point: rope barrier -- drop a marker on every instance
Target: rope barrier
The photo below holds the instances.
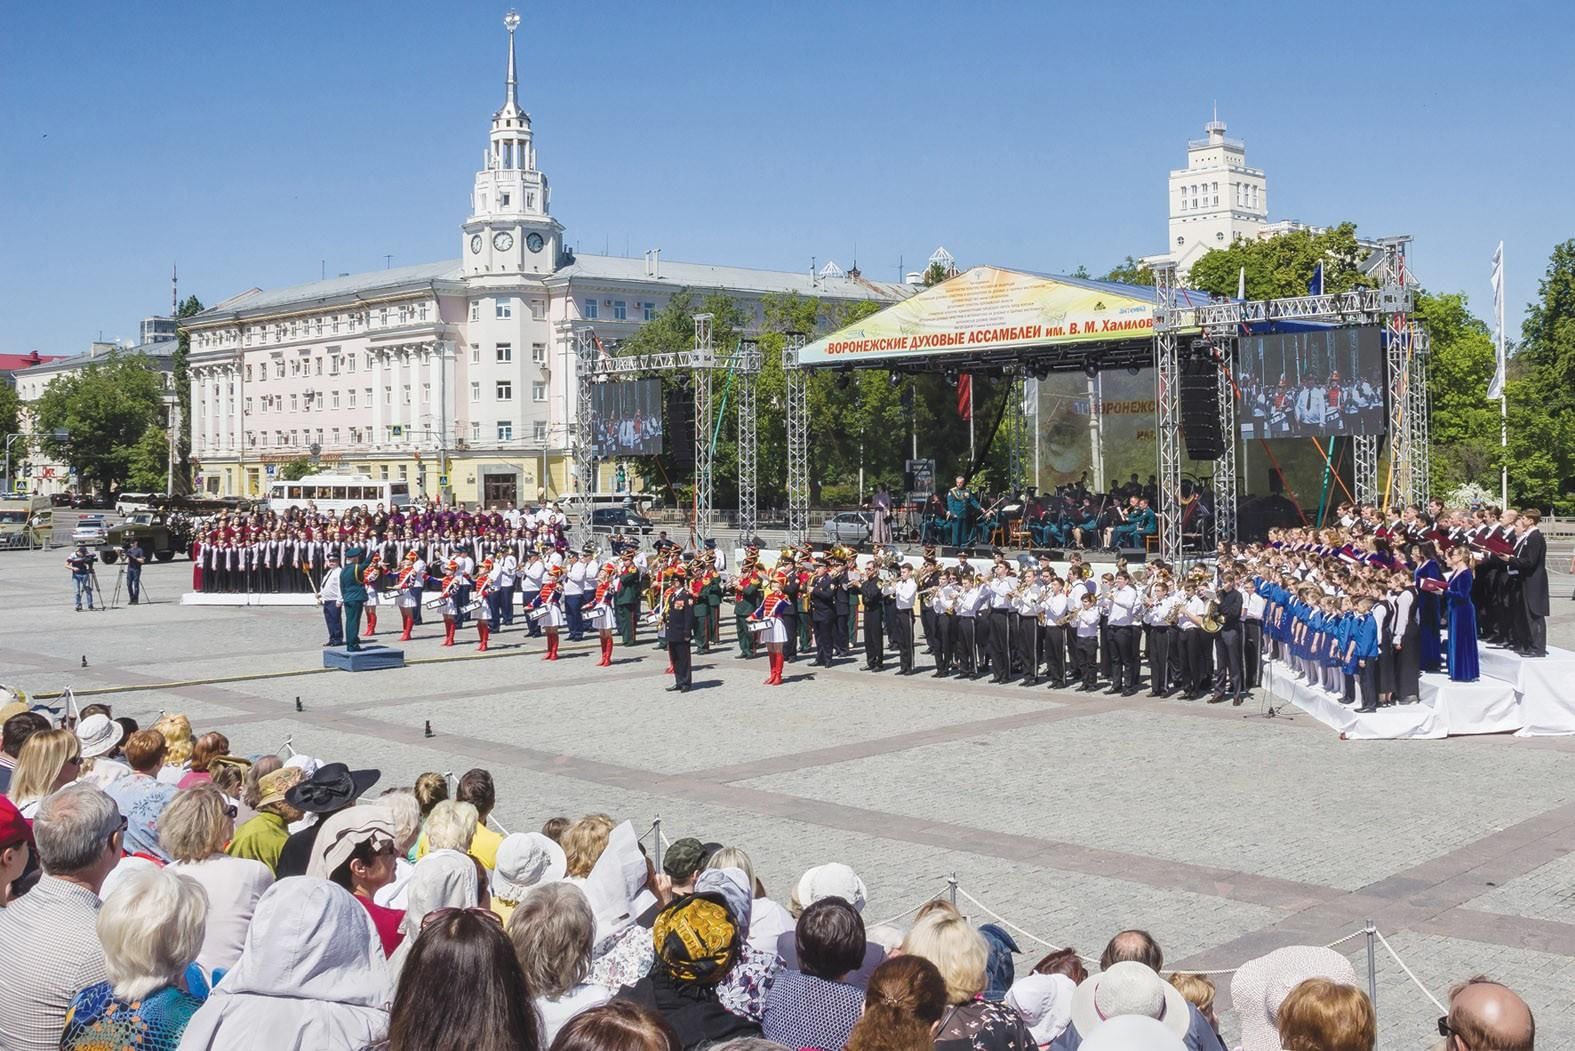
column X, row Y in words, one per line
column 1414, row 980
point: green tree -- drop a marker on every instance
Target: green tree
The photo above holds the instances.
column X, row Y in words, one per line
column 181, row 360
column 1130, row 272
column 296, row 469
column 934, row 274
column 1463, row 424
column 147, row 466
column 1541, row 392
column 1081, row 271
column 1283, row 265
column 105, row 409
column 10, row 410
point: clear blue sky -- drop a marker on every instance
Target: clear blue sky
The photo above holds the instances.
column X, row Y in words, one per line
column 250, row 142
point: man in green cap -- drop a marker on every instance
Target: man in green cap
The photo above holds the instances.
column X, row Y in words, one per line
column 352, row 596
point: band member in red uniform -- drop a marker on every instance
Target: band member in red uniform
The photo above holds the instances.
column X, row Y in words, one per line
column 411, row 582
column 450, row 597
column 776, row 636
column 549, row 600
column 601, row 615
column 372, row 578
column 485, row 583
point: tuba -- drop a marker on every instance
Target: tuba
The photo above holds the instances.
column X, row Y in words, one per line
column 1211, row 617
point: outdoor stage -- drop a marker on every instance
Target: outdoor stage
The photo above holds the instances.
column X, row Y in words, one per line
column 1514, row 695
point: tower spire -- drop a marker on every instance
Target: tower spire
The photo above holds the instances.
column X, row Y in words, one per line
column 511, row 101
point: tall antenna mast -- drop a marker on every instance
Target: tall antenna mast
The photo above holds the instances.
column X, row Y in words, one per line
column 174, row 292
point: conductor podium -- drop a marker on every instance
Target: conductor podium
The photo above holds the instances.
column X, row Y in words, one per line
column 370, row 657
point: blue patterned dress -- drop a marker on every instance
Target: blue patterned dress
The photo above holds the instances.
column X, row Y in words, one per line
column 101, row 1021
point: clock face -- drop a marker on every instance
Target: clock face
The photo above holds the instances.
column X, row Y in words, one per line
column 475, row 243
column 534, row 242
column 503, row 241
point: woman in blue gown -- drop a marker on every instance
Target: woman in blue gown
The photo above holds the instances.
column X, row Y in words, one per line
column 1428, row 607
column 1462, row 649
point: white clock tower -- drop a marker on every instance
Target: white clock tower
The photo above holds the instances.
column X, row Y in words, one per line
column 510, row 231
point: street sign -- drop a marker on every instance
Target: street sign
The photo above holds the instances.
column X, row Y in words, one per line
column 397, row 430
column 270, row 469
column 442, row 481
column 19, row 487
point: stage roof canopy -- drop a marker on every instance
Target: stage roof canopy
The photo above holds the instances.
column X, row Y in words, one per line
column 990, row 315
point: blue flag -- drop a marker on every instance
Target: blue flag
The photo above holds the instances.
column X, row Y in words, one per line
column 1315, row 286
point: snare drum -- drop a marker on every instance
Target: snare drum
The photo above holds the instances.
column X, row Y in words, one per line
column 759, row 627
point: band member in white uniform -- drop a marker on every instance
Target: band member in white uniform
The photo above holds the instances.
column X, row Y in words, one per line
column 775, row 636
column 550, row 603
column 600, row 613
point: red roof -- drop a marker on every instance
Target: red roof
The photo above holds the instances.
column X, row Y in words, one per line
column 12, row 362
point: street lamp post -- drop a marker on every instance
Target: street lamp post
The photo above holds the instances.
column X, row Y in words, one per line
column 58, row 435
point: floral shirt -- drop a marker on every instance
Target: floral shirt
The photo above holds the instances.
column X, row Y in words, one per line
column 983, row 1025
column 622, row 959
column 744, row 990
column 100, row 1019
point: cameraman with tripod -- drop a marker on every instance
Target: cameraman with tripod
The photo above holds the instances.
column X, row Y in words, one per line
column 81, row 565
column 136, row 558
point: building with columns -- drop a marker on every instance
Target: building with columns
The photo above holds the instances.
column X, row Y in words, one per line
column 459, row 370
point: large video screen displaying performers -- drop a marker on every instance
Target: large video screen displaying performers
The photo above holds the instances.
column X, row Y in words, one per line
column 1319, row 383
column 627, row 418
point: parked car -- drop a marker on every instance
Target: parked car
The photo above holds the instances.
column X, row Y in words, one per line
column 849, row 527
column 126, row 503
column 90, row 530
column 607, row 519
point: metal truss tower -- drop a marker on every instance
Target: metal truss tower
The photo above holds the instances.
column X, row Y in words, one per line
column 1421, row 467
column 705, row 453
column 1226, row 485
column 748, row 446
column 1167, row 404
column 584, row 440
column 797, row 390
column 1399, row 487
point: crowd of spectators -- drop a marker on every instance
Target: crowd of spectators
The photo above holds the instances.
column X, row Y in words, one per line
column 158, row 893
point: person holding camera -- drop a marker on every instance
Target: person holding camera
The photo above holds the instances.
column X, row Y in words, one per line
column 136, row 558
column 80, row 562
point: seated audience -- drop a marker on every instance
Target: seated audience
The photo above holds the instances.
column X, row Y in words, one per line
column 696, row 944
column 525, row 860
column 193, row 830
column 903, row 1007
column 356, row 850
column 78, row 833
column 329, row 789
column 768, row 921
column 617, row 1026
column 812, row 1006
column 444, row 879
column 176, row 731
column 18, row 727
column 960, row 954
column 463, row 949
column 1486, row 1014
column 51, row 759
column 311, row 976
column 98, row 737
column 208, row 747
column 402, row 804
column 1136, row 946
column 1259, row 985
column 1320, row 1015
column 141, row 796
column 264, row 836
column 16, row 850
column 1044, row 1003
column 151, row 929
column 475, row 787
column 830, row 881
column 553, row 930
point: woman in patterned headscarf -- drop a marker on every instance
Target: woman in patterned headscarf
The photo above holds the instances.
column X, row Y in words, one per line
column 697, row 943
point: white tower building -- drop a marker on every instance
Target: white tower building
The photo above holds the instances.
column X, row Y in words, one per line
column 510, row 230
column 1215, row 199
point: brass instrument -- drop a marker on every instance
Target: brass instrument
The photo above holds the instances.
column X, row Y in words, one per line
column 1212, row 622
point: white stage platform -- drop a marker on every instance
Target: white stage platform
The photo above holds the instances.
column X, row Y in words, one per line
column 243, row 598
column 1514, row 695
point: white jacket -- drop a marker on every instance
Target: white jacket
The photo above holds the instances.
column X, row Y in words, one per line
column 311, row 977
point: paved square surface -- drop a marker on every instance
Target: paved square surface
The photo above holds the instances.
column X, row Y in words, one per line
column 1068, row 814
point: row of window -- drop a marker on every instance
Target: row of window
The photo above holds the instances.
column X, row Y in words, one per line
column 538, row 430
column 504, row 391
column 303, row 438
column 333, row 325
column 1204, row 195
column 590, row 309
column 503, row 353
column 503, row 309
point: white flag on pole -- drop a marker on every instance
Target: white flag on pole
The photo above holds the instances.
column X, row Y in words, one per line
column 1496, row 388
column 1241, row 284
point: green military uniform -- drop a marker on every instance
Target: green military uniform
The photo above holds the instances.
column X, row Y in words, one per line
column 626, row 606
column 745, row 601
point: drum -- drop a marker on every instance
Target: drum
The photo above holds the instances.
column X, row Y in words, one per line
column 539, row 612
column 759, row 627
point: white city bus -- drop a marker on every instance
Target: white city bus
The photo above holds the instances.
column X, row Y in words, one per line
column 338, row 492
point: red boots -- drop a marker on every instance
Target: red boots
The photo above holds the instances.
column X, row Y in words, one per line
column 448, row 633
column 371, row 622
column 775, row 661
column 481, row 626
column 607, row 647
column 552, row 646
column 409, row 619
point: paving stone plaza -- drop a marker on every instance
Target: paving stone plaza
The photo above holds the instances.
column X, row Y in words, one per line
column 1069, row 815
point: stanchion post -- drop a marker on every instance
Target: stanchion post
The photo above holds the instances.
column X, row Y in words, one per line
column 1372, row 968
column 951, row 888
column 656, row 843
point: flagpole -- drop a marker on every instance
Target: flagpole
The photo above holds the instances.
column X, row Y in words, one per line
column 1503, row 388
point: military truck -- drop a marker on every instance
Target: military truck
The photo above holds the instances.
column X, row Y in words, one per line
column 163, row 534
column 25, row 521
